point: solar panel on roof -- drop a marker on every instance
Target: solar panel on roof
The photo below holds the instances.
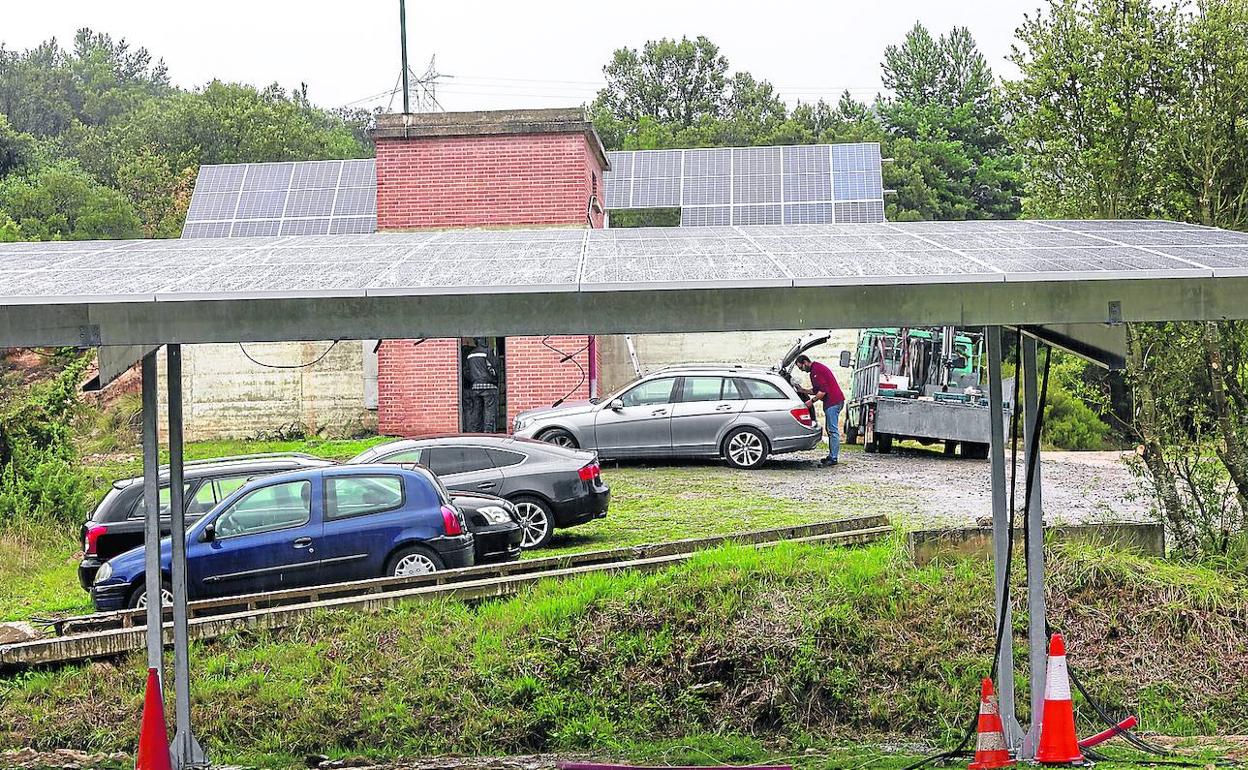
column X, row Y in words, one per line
column 492, row 261
column 267, row 199
column 842, row 183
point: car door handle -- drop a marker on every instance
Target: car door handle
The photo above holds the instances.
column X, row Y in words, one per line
column 486, row 485
column 723, row 408
column 302, row 542
column 658, row 413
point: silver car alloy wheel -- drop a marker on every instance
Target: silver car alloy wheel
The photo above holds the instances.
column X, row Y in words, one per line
column 534, row 523
column 745, row 448
column 414, row 564
column 563, row 440
column 166, row 599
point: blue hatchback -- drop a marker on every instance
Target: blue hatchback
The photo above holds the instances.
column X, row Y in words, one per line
column 304, row 528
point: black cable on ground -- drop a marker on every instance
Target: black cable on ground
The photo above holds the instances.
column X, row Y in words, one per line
column 961, row 749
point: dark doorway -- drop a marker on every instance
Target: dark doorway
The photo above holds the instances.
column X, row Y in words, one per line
column 498, row 345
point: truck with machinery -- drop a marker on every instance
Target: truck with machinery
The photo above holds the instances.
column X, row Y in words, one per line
column 925, row 384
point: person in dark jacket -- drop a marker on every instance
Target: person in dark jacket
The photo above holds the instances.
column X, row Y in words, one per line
column 481, row 388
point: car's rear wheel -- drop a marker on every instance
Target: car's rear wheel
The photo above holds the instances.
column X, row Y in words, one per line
column 537, row 523
column 745, row 448
column 413, row 561
column 138, row 599
column 559, row 437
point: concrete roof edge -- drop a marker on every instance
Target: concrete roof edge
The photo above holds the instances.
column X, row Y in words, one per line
column 553, row 120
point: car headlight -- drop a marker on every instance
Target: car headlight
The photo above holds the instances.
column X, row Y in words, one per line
column 495, row 515
column 104, row 572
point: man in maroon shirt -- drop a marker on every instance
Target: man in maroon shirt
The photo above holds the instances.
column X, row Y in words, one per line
column 823, row 387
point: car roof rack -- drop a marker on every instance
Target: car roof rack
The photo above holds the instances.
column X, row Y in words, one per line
column 713, row 365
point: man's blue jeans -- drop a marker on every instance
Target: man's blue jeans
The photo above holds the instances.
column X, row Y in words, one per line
column 832, row 420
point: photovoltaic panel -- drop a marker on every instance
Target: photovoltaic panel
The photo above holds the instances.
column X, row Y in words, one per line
column 306, row 262
column 268, row 199
column 757, row 184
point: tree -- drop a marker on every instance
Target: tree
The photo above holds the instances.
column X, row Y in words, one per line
column 669, row 81
column 951, row 156
column 16, row 149
column 63, row 202
column 46, row 90
column 159, row 195
column 1097, row 78
column 1127, row 108
column 1206, row 136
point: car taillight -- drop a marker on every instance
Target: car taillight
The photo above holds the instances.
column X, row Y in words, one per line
column 450, row 521
column 802, row 415
column 92, row 539
column 590, row 472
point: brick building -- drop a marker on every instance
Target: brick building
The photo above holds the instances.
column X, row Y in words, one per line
column 448, row 172
column 484, row 169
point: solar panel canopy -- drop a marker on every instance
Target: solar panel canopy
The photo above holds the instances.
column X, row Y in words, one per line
column 792, row 184
column 322, row 197
column 477, row 262
column 713, row 187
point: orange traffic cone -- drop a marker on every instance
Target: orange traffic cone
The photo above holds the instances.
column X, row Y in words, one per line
column 1058, row 743
column 153, row 737
column 990, row 749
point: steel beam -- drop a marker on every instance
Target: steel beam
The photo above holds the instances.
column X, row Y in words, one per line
column 471, row 312
column 151, row 514
column 1037, row 627
column 1001, row 537
column 185, row 751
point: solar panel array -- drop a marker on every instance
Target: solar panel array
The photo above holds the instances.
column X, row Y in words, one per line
column 476, row 262
column 716, row 187
column 323, row 197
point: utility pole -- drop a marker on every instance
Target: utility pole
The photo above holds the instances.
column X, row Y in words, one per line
column 407, row 107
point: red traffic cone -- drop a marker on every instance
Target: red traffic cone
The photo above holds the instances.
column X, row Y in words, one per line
column 1058, row 743
column 990, row 749
column 153, row 737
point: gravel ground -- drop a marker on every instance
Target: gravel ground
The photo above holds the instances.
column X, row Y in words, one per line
column 922, row 489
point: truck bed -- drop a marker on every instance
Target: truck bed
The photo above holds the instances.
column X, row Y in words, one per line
column 938, row 420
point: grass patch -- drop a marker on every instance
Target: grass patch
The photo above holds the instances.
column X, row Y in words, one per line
column 39, row 573
column 683, row 500
column 735, row 655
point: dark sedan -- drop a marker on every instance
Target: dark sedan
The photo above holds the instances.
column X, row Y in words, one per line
column 551, row 486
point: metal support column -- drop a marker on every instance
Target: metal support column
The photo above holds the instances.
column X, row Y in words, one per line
column 151, row 514
column 1037, row 625
column 186, row 751
column 1001, row 536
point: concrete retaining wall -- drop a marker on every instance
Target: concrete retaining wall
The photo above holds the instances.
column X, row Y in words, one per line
column 928, row 545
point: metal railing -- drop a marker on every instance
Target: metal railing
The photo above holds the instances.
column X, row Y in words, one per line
column 866, row 381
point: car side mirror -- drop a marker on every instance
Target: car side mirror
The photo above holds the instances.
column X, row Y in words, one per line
column 616, row 404
column 209, row 534
column 845, row 359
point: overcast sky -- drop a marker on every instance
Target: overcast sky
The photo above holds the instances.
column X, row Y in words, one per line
column 508, row 54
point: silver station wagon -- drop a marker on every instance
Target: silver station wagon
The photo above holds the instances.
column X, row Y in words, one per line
column 742, row 414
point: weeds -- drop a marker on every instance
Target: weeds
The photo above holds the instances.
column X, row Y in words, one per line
column 732, row 653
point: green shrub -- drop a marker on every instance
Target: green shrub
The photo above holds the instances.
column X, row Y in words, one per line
column 1069, row 423
column 40, row 477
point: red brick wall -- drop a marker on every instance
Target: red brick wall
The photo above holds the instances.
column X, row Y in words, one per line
column 537, row 378
column 505, row 180
column 418, row 387
column 474, row 181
